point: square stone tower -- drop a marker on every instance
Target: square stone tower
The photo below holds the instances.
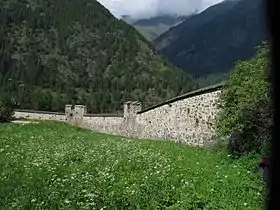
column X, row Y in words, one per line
column 75, row 114
column 131, row 108
column 129, row 117
column 68, row 112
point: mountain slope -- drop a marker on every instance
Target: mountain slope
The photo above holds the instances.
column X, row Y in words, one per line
column 58, row 51
column 212, row 41
column 153, row 27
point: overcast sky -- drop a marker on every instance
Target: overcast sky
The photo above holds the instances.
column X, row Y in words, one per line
column 150, row 8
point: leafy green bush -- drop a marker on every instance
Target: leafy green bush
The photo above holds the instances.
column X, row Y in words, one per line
column 6, row 109
column 245, row 117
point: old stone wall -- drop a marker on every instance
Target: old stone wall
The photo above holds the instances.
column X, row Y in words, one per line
column 188, row 118
column 39, row 115
column 105, row 124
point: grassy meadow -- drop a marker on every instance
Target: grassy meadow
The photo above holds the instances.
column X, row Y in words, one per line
column 52, row 165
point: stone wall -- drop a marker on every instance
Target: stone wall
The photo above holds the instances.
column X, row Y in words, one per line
column 104, row 123
column 188, row 118
column 39, row 115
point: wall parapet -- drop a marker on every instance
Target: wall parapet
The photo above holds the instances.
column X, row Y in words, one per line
column 105, row 115
column 61, row 113
column 38, row 112
column 201, row 91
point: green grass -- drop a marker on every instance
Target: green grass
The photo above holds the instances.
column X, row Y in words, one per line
column 57, row 166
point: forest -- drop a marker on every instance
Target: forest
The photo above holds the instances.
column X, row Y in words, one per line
column 54, row 53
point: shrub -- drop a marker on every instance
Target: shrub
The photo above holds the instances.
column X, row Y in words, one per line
column 245, row 116
column 6, row 109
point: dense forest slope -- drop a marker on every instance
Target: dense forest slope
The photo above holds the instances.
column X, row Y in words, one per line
column 212, row 41
column 59, row 51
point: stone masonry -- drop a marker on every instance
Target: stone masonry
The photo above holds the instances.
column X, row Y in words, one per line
column 75, row 114
column 188, row 118
column 39, row 115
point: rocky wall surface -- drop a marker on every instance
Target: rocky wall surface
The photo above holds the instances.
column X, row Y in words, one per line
column 39, row 116
column 109, row 125
column 190, row 120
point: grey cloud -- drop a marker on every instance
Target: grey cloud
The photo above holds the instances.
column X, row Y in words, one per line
column 150, row 8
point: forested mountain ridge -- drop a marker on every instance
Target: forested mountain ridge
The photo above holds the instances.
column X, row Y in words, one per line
column 212, row 41
column 59, row 51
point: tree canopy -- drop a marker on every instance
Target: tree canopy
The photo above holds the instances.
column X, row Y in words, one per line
column 63, row 51
column 246, row 106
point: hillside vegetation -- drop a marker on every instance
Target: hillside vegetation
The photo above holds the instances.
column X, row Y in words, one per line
column 212, row 41
column 246, row 111
column 57, row 166
column 58, row 51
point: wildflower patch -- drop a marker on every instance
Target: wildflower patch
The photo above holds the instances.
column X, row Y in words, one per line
column 57, row 166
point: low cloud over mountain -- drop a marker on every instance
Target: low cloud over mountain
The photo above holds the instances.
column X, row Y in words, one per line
column 151, row 8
